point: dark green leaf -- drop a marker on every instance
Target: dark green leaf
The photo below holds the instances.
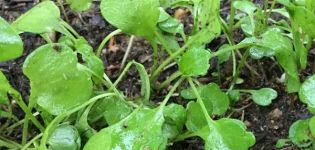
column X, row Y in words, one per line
column 263, row 96
column 42, row 18
column 306, row 93
column 194, row 62
column 11, row 45
column 140, row 130
column 195, row 119
column 138, row 17
column 64, row 137
column 79, row 5
column 175, row 117
column 57, row 85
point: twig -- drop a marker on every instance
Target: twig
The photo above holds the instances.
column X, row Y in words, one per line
column 122, row 65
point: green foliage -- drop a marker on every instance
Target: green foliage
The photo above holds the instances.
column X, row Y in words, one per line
column 169, row 24
column 138, row 17
column 42, row 18
column 67, row 86
column 65, row 137
column 79, row 5
column 263, row 96
column 299, row 133
column 194, row 62
column 11, row 45
column 306, row 93
column 175, row 118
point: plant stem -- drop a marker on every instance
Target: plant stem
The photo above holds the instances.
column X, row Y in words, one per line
column 9, row 144
column 127, row 52
column 270, row 10
column 200, row 102
column 163, row 42
column 53, row 124
column 170, row 93
column 184, row 136
column 155, row 56
column 63, row 10
column 105, row 40
column 31, row 141
column 169, row 80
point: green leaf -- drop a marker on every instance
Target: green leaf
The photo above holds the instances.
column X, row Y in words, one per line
column 175, row 118
column 234, row 95
column 312, row 126
column 299, row 133
column 11, row 45
column 284, row 53
column 258, row 52
column 224, row 57
column 91, row 60
column 281, row 143
column 137, row 17
column 42, row 18
column 263, row 96
column 306, row 93
column 57, row 85
column 195, row 120
column 245, row 6
column 5, row 88
column 227, row 134
column 64, row 137
column 304, row 18
column 170, row 24
column 82, row 124
column 140, row 130
column 194, row 62
column 79, row 5
column 216, row 101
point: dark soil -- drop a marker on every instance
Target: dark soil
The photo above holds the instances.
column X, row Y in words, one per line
column 267, row 123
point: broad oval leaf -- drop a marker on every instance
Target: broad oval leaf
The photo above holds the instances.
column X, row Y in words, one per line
column 264, row 96
column 79, row 5
column 42, row 18
column 226, row 134
column 299, row 133
column 194, row 62
column 137, row 17
column 11, row 45
column 140, row 130
column 64, row 137
column 306, row 93
column 57, row 85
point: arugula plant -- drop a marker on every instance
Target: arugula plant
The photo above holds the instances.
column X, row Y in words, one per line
column 71, row 97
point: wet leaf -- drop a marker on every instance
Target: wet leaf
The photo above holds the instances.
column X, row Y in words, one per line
column 42, row 18
column 227, row 134
column 263, row 96
column 137, row 17
column 299, row 133
column 57, row 85
column 64, row 137
column 140, row 130
column 306, row 93
column 175, row 118
column 194, row 62
column 11, row 45
column 79, row 5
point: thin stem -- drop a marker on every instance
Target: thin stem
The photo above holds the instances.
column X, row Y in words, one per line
column 19, row 123
column 163, row 42
column 67, row 26
column 200, row 102
column 170, row 93
column 60, row 117
column 155, row 56
column 28, row 144
column 9, row 144
column 25, row 130
column 169, row 80
column 63, row 10
column 105, row 40
column 231, row 48
column 127, row 51
column 231, row 19
column 270, row 10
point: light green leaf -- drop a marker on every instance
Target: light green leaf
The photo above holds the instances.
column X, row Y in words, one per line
column 306, row 93
column 57, row 85
column 224, row 57
column 299, row 133
column 245, row 6
column 194, row 62
column 263, row 96
column 281, row 143
column 140, row 130
column 5, row 89
column 170, row 24
column 79, row 5
column 226, row 134
column 258, row 52
column 11, row 45
column 64, row 137
column 195, row 120
column 137, row 17
column 175, row 118
column 312, row 126
column 42, row 18
column 304, row 18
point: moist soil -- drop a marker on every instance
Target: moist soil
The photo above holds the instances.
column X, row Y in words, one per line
column 267, row 123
